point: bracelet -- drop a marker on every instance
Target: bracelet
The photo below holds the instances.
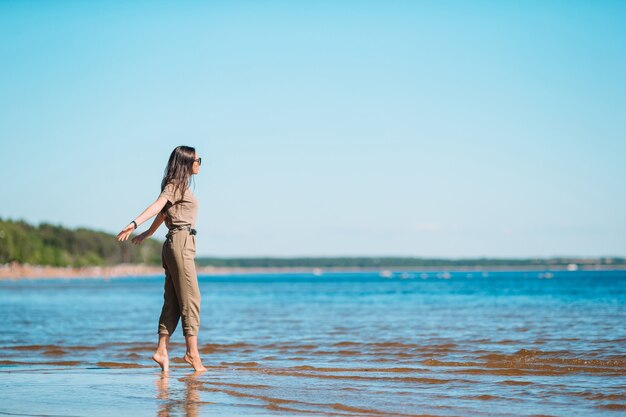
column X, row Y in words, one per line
column 135, row 223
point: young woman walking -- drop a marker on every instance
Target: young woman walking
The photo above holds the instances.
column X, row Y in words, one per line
column 177, row 207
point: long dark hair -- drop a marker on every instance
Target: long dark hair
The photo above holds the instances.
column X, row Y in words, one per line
column 179, row 169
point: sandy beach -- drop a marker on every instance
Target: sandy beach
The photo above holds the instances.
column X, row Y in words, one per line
column 18, row 271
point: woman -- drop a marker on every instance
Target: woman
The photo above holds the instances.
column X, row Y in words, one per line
column 176, row 206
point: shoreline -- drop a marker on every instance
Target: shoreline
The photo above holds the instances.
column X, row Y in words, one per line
column 18, row 271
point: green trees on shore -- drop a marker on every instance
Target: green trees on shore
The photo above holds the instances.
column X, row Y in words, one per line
column 52, row 245
column 47, row 244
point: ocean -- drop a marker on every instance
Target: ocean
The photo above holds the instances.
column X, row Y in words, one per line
column 529, row 343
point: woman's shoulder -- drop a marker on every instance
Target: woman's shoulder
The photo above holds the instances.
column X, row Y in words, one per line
column 170, row 191
column 174, row 193
column 170, row 187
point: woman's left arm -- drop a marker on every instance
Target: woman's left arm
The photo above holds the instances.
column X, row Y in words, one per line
column 158, row 220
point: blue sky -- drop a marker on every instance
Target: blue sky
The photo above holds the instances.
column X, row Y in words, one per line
column 443, row 128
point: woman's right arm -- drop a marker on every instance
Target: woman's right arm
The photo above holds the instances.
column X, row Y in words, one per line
column 152, row 209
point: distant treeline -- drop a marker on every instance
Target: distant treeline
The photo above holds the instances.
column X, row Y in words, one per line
column 400, row 262
column 48, row 244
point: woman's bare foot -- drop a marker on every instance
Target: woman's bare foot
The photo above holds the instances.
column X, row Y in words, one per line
column 162, row 359
column 194, row 361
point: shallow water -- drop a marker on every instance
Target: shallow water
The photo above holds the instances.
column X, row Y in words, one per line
column 346, row 344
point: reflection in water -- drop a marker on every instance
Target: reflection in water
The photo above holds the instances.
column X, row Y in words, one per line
column 162, row 386
column 175, row 402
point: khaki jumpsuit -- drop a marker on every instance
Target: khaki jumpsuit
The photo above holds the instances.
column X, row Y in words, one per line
column 181, row 299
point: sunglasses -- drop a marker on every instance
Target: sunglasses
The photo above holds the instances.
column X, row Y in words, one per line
column 199, row 161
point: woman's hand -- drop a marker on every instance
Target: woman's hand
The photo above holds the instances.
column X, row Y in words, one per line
column 127, row 231
column 141, row 237
column 153, row 209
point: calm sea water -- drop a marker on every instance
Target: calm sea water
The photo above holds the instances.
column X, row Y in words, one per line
column 345, row 344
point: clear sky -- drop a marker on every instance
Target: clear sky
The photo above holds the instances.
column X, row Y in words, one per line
column 420, row 128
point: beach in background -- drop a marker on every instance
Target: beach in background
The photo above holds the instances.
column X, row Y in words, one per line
column 403, row 343
column 17, row 271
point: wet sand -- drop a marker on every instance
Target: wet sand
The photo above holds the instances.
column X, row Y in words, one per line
column 343, row 379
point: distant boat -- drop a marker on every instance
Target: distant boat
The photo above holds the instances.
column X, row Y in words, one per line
column 386, row 273
column 444, row 275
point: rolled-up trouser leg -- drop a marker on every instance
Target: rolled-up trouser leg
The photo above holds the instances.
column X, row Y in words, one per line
column 170, row 313
column 178, row 255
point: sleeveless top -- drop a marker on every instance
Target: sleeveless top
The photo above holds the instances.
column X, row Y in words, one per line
column 179, row 211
